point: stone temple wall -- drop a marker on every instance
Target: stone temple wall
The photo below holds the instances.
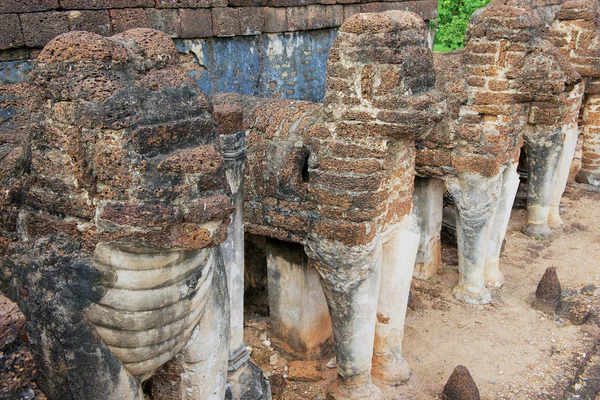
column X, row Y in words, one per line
column 268, row 48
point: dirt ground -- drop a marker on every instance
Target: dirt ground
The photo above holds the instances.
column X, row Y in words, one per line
column 512, row 350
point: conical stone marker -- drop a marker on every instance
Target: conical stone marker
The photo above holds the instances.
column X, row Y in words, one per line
column 460, row 386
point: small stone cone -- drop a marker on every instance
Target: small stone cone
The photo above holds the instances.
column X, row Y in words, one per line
column 460, row 386
column 547, row 295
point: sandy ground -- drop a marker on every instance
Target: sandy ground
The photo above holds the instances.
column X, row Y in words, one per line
column 511, row 350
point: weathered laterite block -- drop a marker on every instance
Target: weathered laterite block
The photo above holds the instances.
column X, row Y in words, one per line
column 17, row 6
column 226, row 22
column 508, row 88
column 11, row 35
column 275, row 20
column 252, row 20
column 196, row 23
column 91, row 21
column 183, row 3
column 104, row 4
column 130, row 18
column 40, row 28
column 575, row 31
column 167, row 21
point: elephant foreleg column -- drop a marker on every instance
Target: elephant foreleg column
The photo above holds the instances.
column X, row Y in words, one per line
column 510, row 185
column 245, row 380
column 350, row 280
column 399, row 250
column 476, row 198
column 570, row 130
column 544, row 152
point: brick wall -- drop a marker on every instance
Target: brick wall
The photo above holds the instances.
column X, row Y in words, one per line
column 29, row 25
column 267, row 48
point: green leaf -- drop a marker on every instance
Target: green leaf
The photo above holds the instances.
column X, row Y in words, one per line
column 453, row 19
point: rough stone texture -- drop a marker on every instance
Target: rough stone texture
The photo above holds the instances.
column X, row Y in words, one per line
column 42, row 20
column 460, row 386
column 488, row 85
column 12, row 322
column 576, row 31
column 313, row 171
column 94, row 197
column 226, row 22
column 167, row 21
column 15, row 6
column 11, row 35
column 575, row 307
column 547, row 294
column 104, row 4
column 17, row 368
column 130, row 18
column 333, row 176
column 182, row 3
column 195, row 23
column 507, row 89
column 229, row 118
column 91, row 21
column 275, row 20
column 305, row 371
column 278, row 384
column 40, row 28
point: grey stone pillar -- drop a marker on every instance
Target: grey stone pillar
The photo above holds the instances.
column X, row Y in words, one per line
column 298, row 308
column 428, row 200
column 234, row 153
column 244, row 379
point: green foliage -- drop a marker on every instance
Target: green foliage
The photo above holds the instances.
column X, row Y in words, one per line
column 453, row 18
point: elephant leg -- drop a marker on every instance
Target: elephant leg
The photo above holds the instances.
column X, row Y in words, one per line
column 590, row 169
column 350, row 281
column 428, row 200
column 571, row 134
column 554, row 219
column 476, row 198
column 510, row 185
column 543, row 154
column 399, row 251
column 201, row 367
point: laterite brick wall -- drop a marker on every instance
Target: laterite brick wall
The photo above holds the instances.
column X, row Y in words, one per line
column 273, row 48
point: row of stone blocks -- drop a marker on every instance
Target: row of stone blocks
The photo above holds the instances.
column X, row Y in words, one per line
column 198, row 19
column 125, row 209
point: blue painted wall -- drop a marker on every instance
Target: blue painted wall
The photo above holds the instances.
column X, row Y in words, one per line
column 288, row 65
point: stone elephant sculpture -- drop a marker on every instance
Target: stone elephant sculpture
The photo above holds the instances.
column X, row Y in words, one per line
column 507, row 89
column 337, row 178
column 123, row 206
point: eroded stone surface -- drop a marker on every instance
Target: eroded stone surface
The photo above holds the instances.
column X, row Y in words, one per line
column 507, row 89
column 575, row 31
column 336, row 177
column 122, row 206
